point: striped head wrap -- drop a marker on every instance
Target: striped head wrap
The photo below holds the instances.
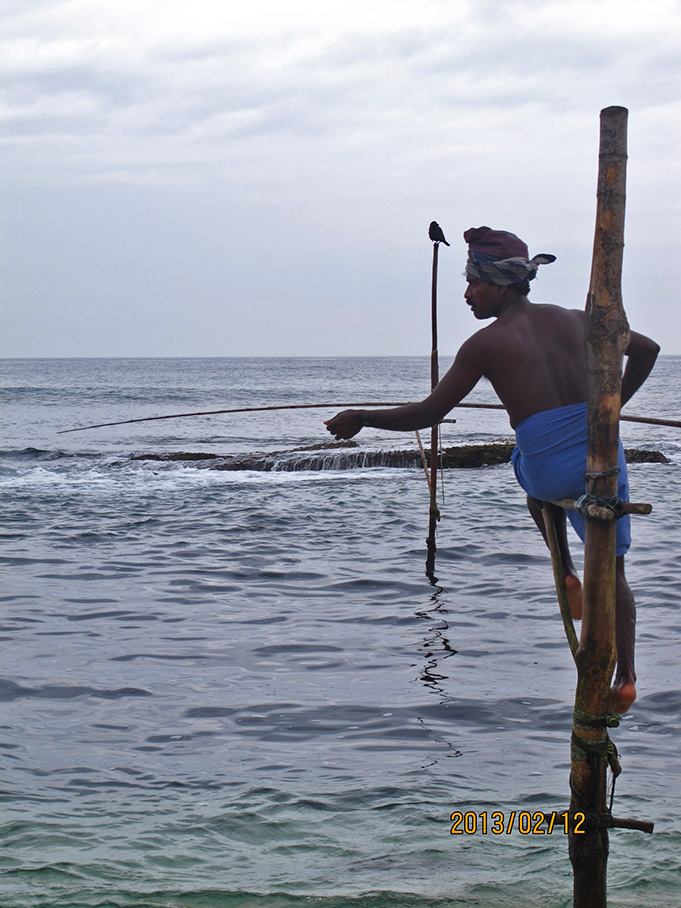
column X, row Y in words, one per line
column 501, row 258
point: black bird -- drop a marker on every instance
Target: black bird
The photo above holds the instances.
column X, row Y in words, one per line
column 436, row 234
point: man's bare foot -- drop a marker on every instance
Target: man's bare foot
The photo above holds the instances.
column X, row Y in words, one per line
column 622, row 695
column 573, row 589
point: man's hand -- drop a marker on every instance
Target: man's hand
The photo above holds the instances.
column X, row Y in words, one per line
column 346, row 424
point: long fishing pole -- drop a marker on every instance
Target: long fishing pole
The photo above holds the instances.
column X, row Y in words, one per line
column 650, row 420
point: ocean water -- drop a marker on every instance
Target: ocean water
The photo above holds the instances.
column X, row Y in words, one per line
column 238, row 688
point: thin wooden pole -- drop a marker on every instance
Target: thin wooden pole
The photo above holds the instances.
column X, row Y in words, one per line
column 559, row 577
column 433, row 513
column 673, row 423
column 423, row 457
column 607, row 338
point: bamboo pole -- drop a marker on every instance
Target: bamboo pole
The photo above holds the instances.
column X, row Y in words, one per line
column 607, row 338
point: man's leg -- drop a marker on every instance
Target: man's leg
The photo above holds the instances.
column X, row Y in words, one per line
column 624, row 686
column 573, row 587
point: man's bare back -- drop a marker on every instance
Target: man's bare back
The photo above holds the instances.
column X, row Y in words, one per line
column 533, row 355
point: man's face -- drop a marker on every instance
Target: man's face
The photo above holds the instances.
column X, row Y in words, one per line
column 484, row 299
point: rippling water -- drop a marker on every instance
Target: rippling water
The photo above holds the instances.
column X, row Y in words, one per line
column 239, row 689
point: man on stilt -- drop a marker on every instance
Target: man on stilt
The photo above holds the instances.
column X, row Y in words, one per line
column 534, row 355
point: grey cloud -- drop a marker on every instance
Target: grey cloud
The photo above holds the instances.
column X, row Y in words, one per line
column 200, row 151
column 18, row 13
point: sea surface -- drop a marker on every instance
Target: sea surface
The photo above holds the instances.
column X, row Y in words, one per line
column 225, row 688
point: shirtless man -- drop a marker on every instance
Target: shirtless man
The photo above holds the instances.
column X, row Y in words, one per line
column 534, row 355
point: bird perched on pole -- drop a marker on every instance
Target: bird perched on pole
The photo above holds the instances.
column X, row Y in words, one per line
column 436, row 234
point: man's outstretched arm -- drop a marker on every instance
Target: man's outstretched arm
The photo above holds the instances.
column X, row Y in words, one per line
column 461, row 378
column 641, row 355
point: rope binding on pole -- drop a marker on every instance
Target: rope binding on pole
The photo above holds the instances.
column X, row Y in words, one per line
column 613, row 507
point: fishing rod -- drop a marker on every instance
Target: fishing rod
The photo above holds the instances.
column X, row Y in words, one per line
column 650, row 420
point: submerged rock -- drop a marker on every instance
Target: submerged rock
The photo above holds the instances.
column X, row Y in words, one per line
column 348, row 455
column 634, row 455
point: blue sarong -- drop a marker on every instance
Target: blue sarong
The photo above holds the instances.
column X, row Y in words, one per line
column 549, row 462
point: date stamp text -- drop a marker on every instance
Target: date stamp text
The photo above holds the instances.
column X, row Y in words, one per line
column 524, row 822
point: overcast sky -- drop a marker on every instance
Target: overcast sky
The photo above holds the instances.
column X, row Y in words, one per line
column 223, row 178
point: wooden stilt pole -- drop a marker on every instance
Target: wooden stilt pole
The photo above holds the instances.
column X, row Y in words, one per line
column 607, row 338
